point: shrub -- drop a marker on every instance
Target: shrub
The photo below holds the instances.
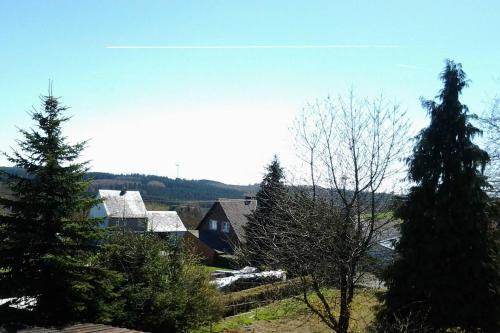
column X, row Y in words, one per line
column 164, row 289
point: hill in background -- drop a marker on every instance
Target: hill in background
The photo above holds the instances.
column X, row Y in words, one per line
column 168, row 190
column 163, row 189
column 190, row 198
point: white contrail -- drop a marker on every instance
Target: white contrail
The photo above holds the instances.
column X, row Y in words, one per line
column 225, row 47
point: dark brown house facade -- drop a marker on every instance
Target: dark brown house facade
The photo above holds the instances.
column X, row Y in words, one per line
column 222, row 228
column 205, row 253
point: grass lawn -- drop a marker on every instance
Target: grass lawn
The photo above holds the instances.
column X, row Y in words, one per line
column 292, row 315
column 211, row 269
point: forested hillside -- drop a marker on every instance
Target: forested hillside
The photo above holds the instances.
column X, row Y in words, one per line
column 164, row 189
column 190, row 198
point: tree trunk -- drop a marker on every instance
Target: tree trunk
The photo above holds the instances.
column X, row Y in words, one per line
column 344, row 302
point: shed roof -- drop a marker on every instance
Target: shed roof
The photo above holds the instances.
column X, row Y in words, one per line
column 387, row 230
column 387, row 233
column 80, row 328
column 127, row 205
column 164, row 221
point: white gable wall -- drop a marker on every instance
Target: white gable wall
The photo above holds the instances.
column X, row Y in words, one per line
column 99, row 211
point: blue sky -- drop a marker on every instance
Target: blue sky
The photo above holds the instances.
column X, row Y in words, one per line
column 223, row 113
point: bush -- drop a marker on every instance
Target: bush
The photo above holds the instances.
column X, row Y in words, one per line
column 164, row 289
column 409, row 323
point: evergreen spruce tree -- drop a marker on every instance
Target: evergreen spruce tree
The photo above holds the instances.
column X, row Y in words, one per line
column 446, row 274
column 262, row 222
column 47, row 241
column 164, row 288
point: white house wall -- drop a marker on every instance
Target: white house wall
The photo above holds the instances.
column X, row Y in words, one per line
column 98, row 212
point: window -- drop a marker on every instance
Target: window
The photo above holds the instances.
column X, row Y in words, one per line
column 212, row 225
column 225, row 226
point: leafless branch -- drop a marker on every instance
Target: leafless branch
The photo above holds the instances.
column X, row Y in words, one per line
column 324, row 229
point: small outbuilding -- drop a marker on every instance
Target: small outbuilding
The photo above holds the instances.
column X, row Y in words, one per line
column 165, row 222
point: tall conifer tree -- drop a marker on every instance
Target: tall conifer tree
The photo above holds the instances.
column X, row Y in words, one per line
column 271, row 193
column 446, row 273
column 46, row 239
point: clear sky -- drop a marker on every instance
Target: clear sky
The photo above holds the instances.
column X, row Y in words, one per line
column 220, row 112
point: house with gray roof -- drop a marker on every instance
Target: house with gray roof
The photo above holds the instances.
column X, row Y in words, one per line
column 126, row 209
column 222, row 228
column 165, row 222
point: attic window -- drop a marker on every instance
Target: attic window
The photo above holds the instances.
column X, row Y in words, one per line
column 212, row 225
column 225, row 227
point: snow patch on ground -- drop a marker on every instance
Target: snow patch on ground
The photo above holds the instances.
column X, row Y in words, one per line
column 247, row 273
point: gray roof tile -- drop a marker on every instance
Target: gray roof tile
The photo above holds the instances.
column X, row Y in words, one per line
column 164, row 221
column 237, row 211
column 128, row 205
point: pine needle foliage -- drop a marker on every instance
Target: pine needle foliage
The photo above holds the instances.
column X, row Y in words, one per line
column 163, row 287
column 271, row 194
column 446, row 274
column 47, row 241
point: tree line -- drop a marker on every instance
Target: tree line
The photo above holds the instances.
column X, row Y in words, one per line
column 445, row 274
column 161, row 188
column 319, row 225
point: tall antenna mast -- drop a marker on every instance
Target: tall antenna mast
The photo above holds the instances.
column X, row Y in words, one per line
column 177, row 165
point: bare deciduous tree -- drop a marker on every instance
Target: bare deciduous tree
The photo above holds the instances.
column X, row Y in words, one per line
column 328, row 223
column 490, row 122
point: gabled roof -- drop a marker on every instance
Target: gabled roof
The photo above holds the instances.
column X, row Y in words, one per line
column 164, row 221
column 127, row 205
column 237, row 211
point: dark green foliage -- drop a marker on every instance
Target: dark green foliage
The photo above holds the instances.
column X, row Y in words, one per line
column 270, row 195
column 47, row 242
column 163, row 190
column 447, row 273
column 228, row 261
column 170, row 191
column 163, row 288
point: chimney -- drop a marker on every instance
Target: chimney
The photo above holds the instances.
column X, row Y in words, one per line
column 248, row 200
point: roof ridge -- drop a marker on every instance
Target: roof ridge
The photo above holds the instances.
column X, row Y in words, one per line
column 102, row 189
column 234, row 199
column 162, row 211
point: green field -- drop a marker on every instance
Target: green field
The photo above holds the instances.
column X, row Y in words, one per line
column 211, row 269
column 292, row 315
